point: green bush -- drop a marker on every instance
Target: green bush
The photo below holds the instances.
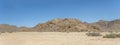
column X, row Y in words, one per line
column 93, row 34
column 112, row 35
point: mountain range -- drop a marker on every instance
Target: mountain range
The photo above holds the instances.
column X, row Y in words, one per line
column 65, row 25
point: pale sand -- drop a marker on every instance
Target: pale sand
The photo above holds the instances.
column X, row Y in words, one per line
column 54, row 38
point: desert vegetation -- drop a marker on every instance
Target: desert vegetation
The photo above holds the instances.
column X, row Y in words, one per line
column 93, row 34
column 112, row 35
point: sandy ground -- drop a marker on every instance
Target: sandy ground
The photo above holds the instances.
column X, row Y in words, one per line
column 54, row 38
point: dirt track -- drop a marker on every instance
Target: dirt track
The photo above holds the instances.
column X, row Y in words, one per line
column 54, row 38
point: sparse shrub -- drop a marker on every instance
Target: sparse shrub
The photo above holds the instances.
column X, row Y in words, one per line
column 118, row 35
column 112, row 35
column 3, row 32
column 93, row 34
column 10, row 32
column 67, row 31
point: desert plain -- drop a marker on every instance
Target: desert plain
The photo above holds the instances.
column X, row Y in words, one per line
column 55, row 38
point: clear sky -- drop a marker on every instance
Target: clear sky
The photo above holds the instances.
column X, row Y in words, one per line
column 31, row 12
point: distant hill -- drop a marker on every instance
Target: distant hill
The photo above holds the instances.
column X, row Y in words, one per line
column 12, row 28
column 65, row 25
column 7, row 28
column 113, row 25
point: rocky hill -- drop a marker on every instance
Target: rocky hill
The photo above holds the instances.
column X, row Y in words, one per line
column 65, row 25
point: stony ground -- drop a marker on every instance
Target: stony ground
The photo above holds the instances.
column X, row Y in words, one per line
column 54, row 38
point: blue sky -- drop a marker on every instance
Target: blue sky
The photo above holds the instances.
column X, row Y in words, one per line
column 31, row 12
